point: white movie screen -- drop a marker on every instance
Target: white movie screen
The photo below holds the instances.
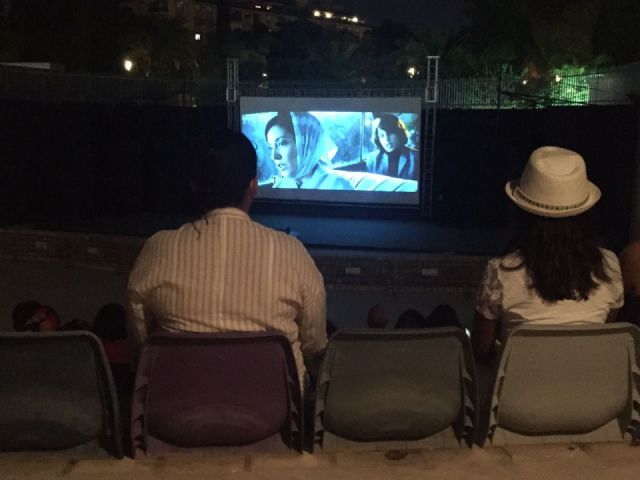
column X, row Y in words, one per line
column 336, row 150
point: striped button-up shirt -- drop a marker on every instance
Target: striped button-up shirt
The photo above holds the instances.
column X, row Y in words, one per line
column 227, row 273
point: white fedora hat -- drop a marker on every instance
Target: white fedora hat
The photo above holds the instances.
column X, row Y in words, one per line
column 553, row 184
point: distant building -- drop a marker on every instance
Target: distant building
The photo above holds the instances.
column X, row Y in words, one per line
column 201, row 16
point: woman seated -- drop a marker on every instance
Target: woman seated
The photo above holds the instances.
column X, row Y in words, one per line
column 555, row 271
column 296, row 142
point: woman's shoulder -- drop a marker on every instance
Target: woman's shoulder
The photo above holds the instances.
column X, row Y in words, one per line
column 611, row 261
column 608, row 255
column 509, row 261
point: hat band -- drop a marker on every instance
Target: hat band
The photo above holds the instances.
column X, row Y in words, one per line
column 558, row 208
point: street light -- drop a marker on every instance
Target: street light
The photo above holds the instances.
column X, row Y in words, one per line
column 412, row 72
column 127, row 64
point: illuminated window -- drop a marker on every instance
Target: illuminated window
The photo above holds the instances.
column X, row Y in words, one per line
column 197, row 36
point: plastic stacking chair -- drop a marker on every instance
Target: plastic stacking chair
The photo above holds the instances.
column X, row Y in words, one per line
column 232, row 391
column 396, row 389
column 57, row 393
column 567, row 384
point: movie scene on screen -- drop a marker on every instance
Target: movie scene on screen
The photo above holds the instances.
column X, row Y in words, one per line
column 336, row 150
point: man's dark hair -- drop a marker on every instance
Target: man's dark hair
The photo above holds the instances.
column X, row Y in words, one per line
column 110, row 322
column 561, row 255
column 22, row 313
column 224, row 165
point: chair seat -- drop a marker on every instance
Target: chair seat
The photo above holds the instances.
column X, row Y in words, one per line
column 217, row 424
column 41, row 434
column 372, row 418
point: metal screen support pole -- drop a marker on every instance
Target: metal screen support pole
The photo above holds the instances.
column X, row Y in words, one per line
column 232, row 95
column 430, row 103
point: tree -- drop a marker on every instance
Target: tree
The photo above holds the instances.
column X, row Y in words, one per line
column 94, row 36
column 303, row 50
column 159, row 45
column 531, row 36
column 616, row 34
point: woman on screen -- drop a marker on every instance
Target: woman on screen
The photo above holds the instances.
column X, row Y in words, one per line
column 393, row 157
column 296, row 144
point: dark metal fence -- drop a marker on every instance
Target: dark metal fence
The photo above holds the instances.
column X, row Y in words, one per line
column 613, row 87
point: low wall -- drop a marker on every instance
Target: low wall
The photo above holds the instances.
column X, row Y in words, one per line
column 382, row 271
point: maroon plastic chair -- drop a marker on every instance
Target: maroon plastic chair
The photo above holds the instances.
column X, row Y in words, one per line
column 232, row 391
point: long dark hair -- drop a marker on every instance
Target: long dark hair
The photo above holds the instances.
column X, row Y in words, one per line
column 561, row 255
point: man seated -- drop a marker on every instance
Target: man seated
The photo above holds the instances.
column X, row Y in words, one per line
column 225, row 272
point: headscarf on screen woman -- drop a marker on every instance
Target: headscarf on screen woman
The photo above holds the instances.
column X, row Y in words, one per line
column 309, row 142
column 313, row 151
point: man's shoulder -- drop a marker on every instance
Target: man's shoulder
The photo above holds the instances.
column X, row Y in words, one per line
column 160, row 237
column 165, row 235
column 170, row 238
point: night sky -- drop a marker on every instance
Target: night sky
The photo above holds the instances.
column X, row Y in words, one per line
column 442, row 15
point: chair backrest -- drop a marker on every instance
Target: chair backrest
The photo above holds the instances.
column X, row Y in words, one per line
column 567, row 380
column 216, row 390
column 404, row 385
column 56, row 392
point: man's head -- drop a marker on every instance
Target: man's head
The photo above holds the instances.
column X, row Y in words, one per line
column 30, row 316
column 227, row 165
column 377, row 317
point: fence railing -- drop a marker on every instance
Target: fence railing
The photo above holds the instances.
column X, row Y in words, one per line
column 612, row 87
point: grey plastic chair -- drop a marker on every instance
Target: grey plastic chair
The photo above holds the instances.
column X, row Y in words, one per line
column 567, row 384
column 388, row 389
column 57, row 393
